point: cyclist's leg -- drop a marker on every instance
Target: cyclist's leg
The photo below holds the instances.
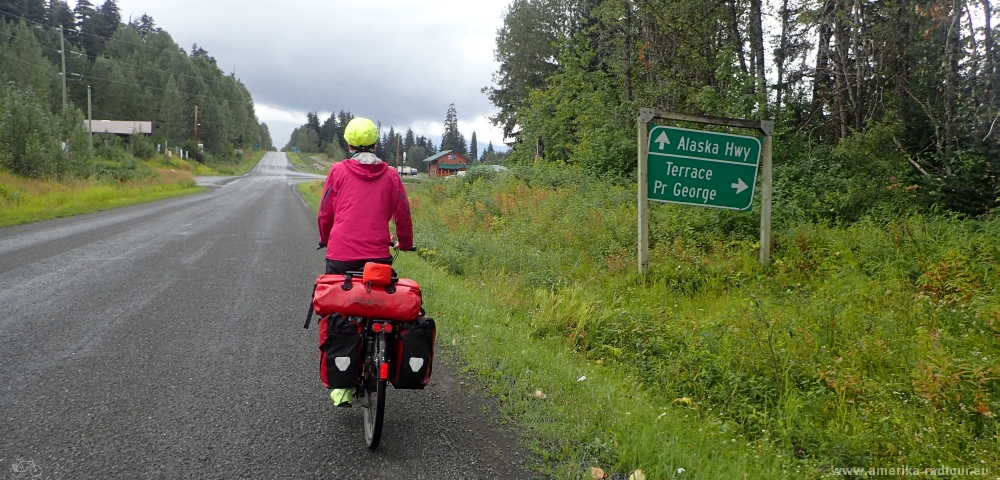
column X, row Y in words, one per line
column 342, row 396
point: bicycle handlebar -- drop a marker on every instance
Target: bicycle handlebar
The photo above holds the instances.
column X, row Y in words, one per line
column 394, row 244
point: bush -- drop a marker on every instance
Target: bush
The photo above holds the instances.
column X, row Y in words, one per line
column 34, row 142
column 141, row 147
column 871, row 344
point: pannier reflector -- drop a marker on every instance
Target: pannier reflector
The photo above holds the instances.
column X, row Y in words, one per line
column 416, row 363
column 342, row 363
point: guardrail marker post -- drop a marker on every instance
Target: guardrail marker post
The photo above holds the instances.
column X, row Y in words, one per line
column 643, row 196
column 765, row 192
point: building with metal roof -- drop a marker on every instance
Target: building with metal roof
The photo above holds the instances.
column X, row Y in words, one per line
column 446, row 163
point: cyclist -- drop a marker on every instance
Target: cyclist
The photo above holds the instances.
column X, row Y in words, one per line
column 360, row 195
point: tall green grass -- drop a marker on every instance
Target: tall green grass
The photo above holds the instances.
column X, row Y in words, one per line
column 871, row 345
column 579, row 413
column 116, row 184
column 26, row 200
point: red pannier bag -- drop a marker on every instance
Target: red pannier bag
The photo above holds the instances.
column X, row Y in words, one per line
column 349, row 295
column 339, row 351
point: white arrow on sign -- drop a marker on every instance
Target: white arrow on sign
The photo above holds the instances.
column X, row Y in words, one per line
column 739, row 185
column 662, row 140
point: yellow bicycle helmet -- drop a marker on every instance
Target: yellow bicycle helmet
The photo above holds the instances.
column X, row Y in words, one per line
column 361, row 132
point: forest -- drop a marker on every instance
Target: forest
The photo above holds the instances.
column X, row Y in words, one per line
column 870, row 99
column 328, row 138
column 133, row 71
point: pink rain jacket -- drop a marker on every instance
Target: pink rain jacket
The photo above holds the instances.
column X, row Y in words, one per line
column 358, row 202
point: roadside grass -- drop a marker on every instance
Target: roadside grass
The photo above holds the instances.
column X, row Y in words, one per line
column 578, row 413
column 310, row 192
column 233, row 167
column 24, row 200
column 304, row 161
column 874, row 345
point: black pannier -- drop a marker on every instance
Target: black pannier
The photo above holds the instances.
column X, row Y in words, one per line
column 414, row 352
column 339, row 351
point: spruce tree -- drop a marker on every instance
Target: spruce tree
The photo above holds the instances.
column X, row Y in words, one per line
column 172, row 114
column 473, row 148
column 451, row 137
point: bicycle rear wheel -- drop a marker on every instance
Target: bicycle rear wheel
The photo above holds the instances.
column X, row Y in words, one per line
column 374, row 406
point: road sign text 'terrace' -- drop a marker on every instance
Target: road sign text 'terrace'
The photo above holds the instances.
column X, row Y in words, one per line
column 695, row 167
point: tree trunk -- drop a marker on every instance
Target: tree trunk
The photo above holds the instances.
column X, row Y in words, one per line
column 988, row 47
column 756, row 26
column 842, row 88
column 781, row 55
column 821, row 75
column 860, row 63
column 734, row 26
column 902, row 62
column 952, row 52
column 628, row 52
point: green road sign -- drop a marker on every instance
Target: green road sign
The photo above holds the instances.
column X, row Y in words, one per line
column 708, row 169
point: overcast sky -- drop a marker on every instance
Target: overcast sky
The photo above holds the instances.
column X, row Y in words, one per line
column 400, row 62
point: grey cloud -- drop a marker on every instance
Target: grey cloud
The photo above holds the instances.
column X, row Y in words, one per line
column 400, row 62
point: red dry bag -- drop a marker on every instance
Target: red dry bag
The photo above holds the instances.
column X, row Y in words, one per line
column 350, row 296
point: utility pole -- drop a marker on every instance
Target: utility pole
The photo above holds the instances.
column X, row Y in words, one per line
column 90, row 121
column 397, row 153
column 62, row 41
column 195, row 126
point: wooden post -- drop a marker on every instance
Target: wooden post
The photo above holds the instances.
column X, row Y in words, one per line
column 765, row 194
column 90, row 121
column 62, row 43
column 765, row 127
column 643, row 195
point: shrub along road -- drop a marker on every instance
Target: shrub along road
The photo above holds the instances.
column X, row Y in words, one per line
column 165, row 340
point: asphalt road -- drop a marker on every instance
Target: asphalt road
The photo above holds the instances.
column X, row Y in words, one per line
column 165, row 340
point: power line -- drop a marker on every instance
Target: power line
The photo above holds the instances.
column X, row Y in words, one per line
column 27, row 63
column 246, row 103
column 121, row 63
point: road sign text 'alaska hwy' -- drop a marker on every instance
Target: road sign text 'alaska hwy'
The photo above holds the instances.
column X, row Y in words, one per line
column 695, row 167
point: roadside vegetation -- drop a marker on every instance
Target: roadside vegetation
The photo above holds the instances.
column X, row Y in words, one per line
column 871, row 341
column 118, row 184
column 872, row 338
column 49, row 164
column 871, row 345
column 316, row 163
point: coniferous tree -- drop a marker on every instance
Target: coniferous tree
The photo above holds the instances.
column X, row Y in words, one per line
column 34, row 11
column 312, row 122
column 172, row 117
column 328, row 131
column 451, row 138
column 265, row 138
column 473, row 148
column 58, row 14
column 144, row 25
column 408, row 140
